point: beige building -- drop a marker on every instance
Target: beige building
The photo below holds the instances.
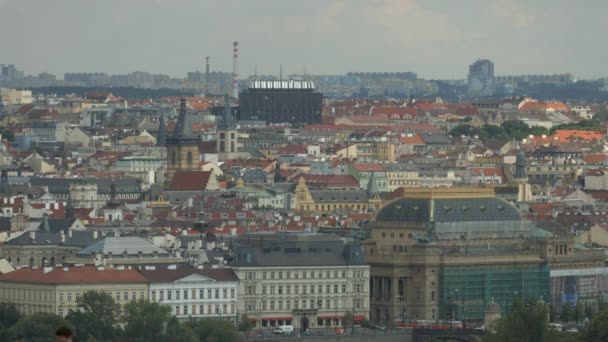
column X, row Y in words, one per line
column 401, row 176
column 306, row 280
column 56, row 290
column 14, row 97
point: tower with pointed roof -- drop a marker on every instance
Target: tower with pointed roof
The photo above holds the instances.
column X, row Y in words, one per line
column 226, row 133
column 182, row 146
column 161, row 140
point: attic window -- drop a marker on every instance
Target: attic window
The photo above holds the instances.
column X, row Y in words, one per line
column 447, row 209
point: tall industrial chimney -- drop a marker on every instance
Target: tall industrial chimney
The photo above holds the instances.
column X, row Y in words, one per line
column 235, row 59
column 207, row 69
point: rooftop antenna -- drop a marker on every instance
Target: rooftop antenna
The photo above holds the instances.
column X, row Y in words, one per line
column 235, row 58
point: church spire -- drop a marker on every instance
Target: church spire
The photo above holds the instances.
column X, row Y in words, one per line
column 183, row 128
column 162, row 130
column 372, row 187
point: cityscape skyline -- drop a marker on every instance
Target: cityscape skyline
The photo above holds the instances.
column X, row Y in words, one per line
column 308, row 38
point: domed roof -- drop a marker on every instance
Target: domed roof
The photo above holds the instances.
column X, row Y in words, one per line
column 448, row 210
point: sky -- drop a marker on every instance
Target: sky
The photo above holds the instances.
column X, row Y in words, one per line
column 436, row 39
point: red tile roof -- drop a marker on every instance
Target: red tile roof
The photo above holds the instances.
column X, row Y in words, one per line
column 190, row 180
column 166, row 275
column 390, row 111
column 74, row 275
column 595, row 158
column 368, row 167
column 488, row 171
column 293, row 149
column 568, row 134
column 412, row 140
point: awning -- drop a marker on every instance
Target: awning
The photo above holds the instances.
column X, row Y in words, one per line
column 277, row 318
column 359, row 318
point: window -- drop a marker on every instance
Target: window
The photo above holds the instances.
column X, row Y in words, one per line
column 185, row 309
column 141, row 294
column 177, row 310
column 272, row 305
column 264, row 289
column 288, row 275
column 288, row 289
column 69, row 296
column 217, row 293
column 232, row 293
column 280, row 289
column 185, row 294
column 327, row 288
column 126, row 295
column 304, row 275
column 77, row 295
column 225, row 293
column 312, row 303
column 288, row 304
column 343, row 288
column 263, row 275
column 296, row 289
column 336, row 288
column 153, row 295
column 271, row 275
column 161, row 294
column 327, row 304
column 320, row 288
column 280, row 275
column 209, row 294
column 201, row 294
column 61, row 297
column 201, row 309
column 133, row 295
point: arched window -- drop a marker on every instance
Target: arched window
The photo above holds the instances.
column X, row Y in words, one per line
column 189, row 158
column 31, row 262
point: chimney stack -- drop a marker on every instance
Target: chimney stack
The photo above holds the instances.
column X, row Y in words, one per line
column 207, row 69
column 235, row 58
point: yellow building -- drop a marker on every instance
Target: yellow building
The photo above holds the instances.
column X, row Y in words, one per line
column 335, row 200
column 383, row 151
column 56, row 290
column 401, row 176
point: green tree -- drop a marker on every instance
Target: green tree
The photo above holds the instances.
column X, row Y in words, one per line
column 588, row 312
column 245, row 324
column 466, row 130
column 347, row 320
column 566, row 314
column 525, row 322
column 597, row 329
column 39, row 327
column 579, row 312
column 8, row 318
column 177, row 332
column 215, row 330
column 97, row 317
column 144, row 320
column 553, row 314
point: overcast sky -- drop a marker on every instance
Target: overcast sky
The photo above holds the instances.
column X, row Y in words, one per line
column 436, row 39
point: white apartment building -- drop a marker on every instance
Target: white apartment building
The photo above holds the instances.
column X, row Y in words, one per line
column 191, row 292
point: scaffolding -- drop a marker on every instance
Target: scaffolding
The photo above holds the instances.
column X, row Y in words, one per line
column 465, row 291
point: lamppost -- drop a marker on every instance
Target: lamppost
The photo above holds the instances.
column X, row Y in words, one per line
column 402, row 301
column 336, row 307
column 236, row 310
column 262, row 300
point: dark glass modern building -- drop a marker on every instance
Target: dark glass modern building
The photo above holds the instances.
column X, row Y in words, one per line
column 294, row 102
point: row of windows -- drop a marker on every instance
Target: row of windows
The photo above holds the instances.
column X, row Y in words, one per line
column 337, row 206
column 204, row 310
column 118, row 295
column 302, row 304
column 304, row 274
column 250, row 290
column 193, row 294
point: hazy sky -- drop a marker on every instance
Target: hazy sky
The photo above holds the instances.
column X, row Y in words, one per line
column 436, row 39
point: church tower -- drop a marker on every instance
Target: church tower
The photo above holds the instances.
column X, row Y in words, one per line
column 227, row 133
column 182, row 146
column 524, row 192
column 162, row 131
